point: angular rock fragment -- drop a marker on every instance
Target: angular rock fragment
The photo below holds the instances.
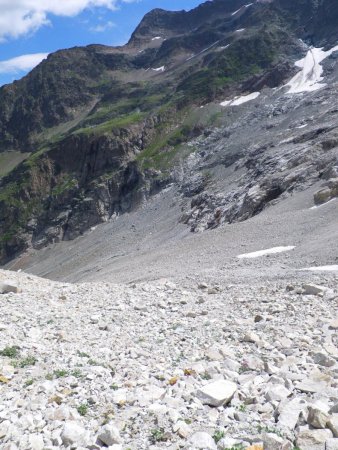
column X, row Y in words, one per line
column 217, row 393
column 8, row 287
column 313, row 439
column 331, row 444
column 318, row 416
column 333, row 424
column 109, row 435
column 74, row 433
column 202, row 441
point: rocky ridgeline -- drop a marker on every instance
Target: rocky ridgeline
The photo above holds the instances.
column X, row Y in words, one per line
column 162, row 365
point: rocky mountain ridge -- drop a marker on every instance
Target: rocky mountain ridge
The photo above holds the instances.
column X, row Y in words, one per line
column 105, row 128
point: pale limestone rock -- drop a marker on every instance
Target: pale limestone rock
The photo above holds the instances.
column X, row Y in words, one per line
column 331, row 444
column 7, row 287
column 323, row 360
column 333, row 424
column 74, row 433
column 36, row 442
column 217, row 393
column 7, row 371
column 252, row 338
column 313, row 439
column 272, row 441
column 317, row 417
column 202, row 441
column 290, row 412
column 150, row 394
column 313, row 289
column 313, row 385
column 277, row 393
column 109, row 435
column 334, row 324
column 228, row 442
column 182, row 429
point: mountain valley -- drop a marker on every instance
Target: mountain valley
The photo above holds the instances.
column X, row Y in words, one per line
column 168, row 236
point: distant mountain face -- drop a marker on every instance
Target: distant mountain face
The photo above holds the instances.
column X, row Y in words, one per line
column 101, row 127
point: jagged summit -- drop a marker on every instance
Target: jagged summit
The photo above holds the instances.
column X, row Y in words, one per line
column 165, row 24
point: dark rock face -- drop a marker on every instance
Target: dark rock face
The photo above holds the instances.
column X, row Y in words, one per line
column 171, row 23
column 106, row 127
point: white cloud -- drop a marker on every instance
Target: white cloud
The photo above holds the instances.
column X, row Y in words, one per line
column 21, row 63
column 101, row 28
column 19, row 17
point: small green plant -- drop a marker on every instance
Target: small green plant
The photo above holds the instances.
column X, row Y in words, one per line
column 82, row 354
column 244, row 368
column 29, row 382
column 157, row 435
column 205, row 376
column 60, row 373
column 218, row 435
column 82, row 409
column 108, row 416
column 160, row 377
column 28, row 361
column 77, row 373
column 10, row 352
column 265, row 429
column 235, row 447
column 92, row 362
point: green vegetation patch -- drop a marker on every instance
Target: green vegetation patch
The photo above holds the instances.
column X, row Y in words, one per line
column 64, row 185
column 9, row 160
column 245, row 57
column 110, row 125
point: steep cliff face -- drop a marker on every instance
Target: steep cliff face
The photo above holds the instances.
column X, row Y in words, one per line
column 103, row 128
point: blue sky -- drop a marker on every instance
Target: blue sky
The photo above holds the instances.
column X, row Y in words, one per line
column 30, row 29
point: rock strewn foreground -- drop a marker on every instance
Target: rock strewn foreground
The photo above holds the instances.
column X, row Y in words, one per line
column 164, row 365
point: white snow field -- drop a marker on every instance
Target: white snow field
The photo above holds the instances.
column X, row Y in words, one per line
column 240, row 100
column 332, row 268
column 310, row 77
column 268, row 251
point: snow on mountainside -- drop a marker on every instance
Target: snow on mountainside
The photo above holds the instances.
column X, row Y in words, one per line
column 311, row 76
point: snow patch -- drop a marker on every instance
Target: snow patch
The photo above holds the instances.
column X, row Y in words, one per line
column 159, row 69
column 269, row 251
column 323, row 204
column 240, row 100
column 240, row 9
column 203, row 51
column 333, row 268
column 310, row 78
